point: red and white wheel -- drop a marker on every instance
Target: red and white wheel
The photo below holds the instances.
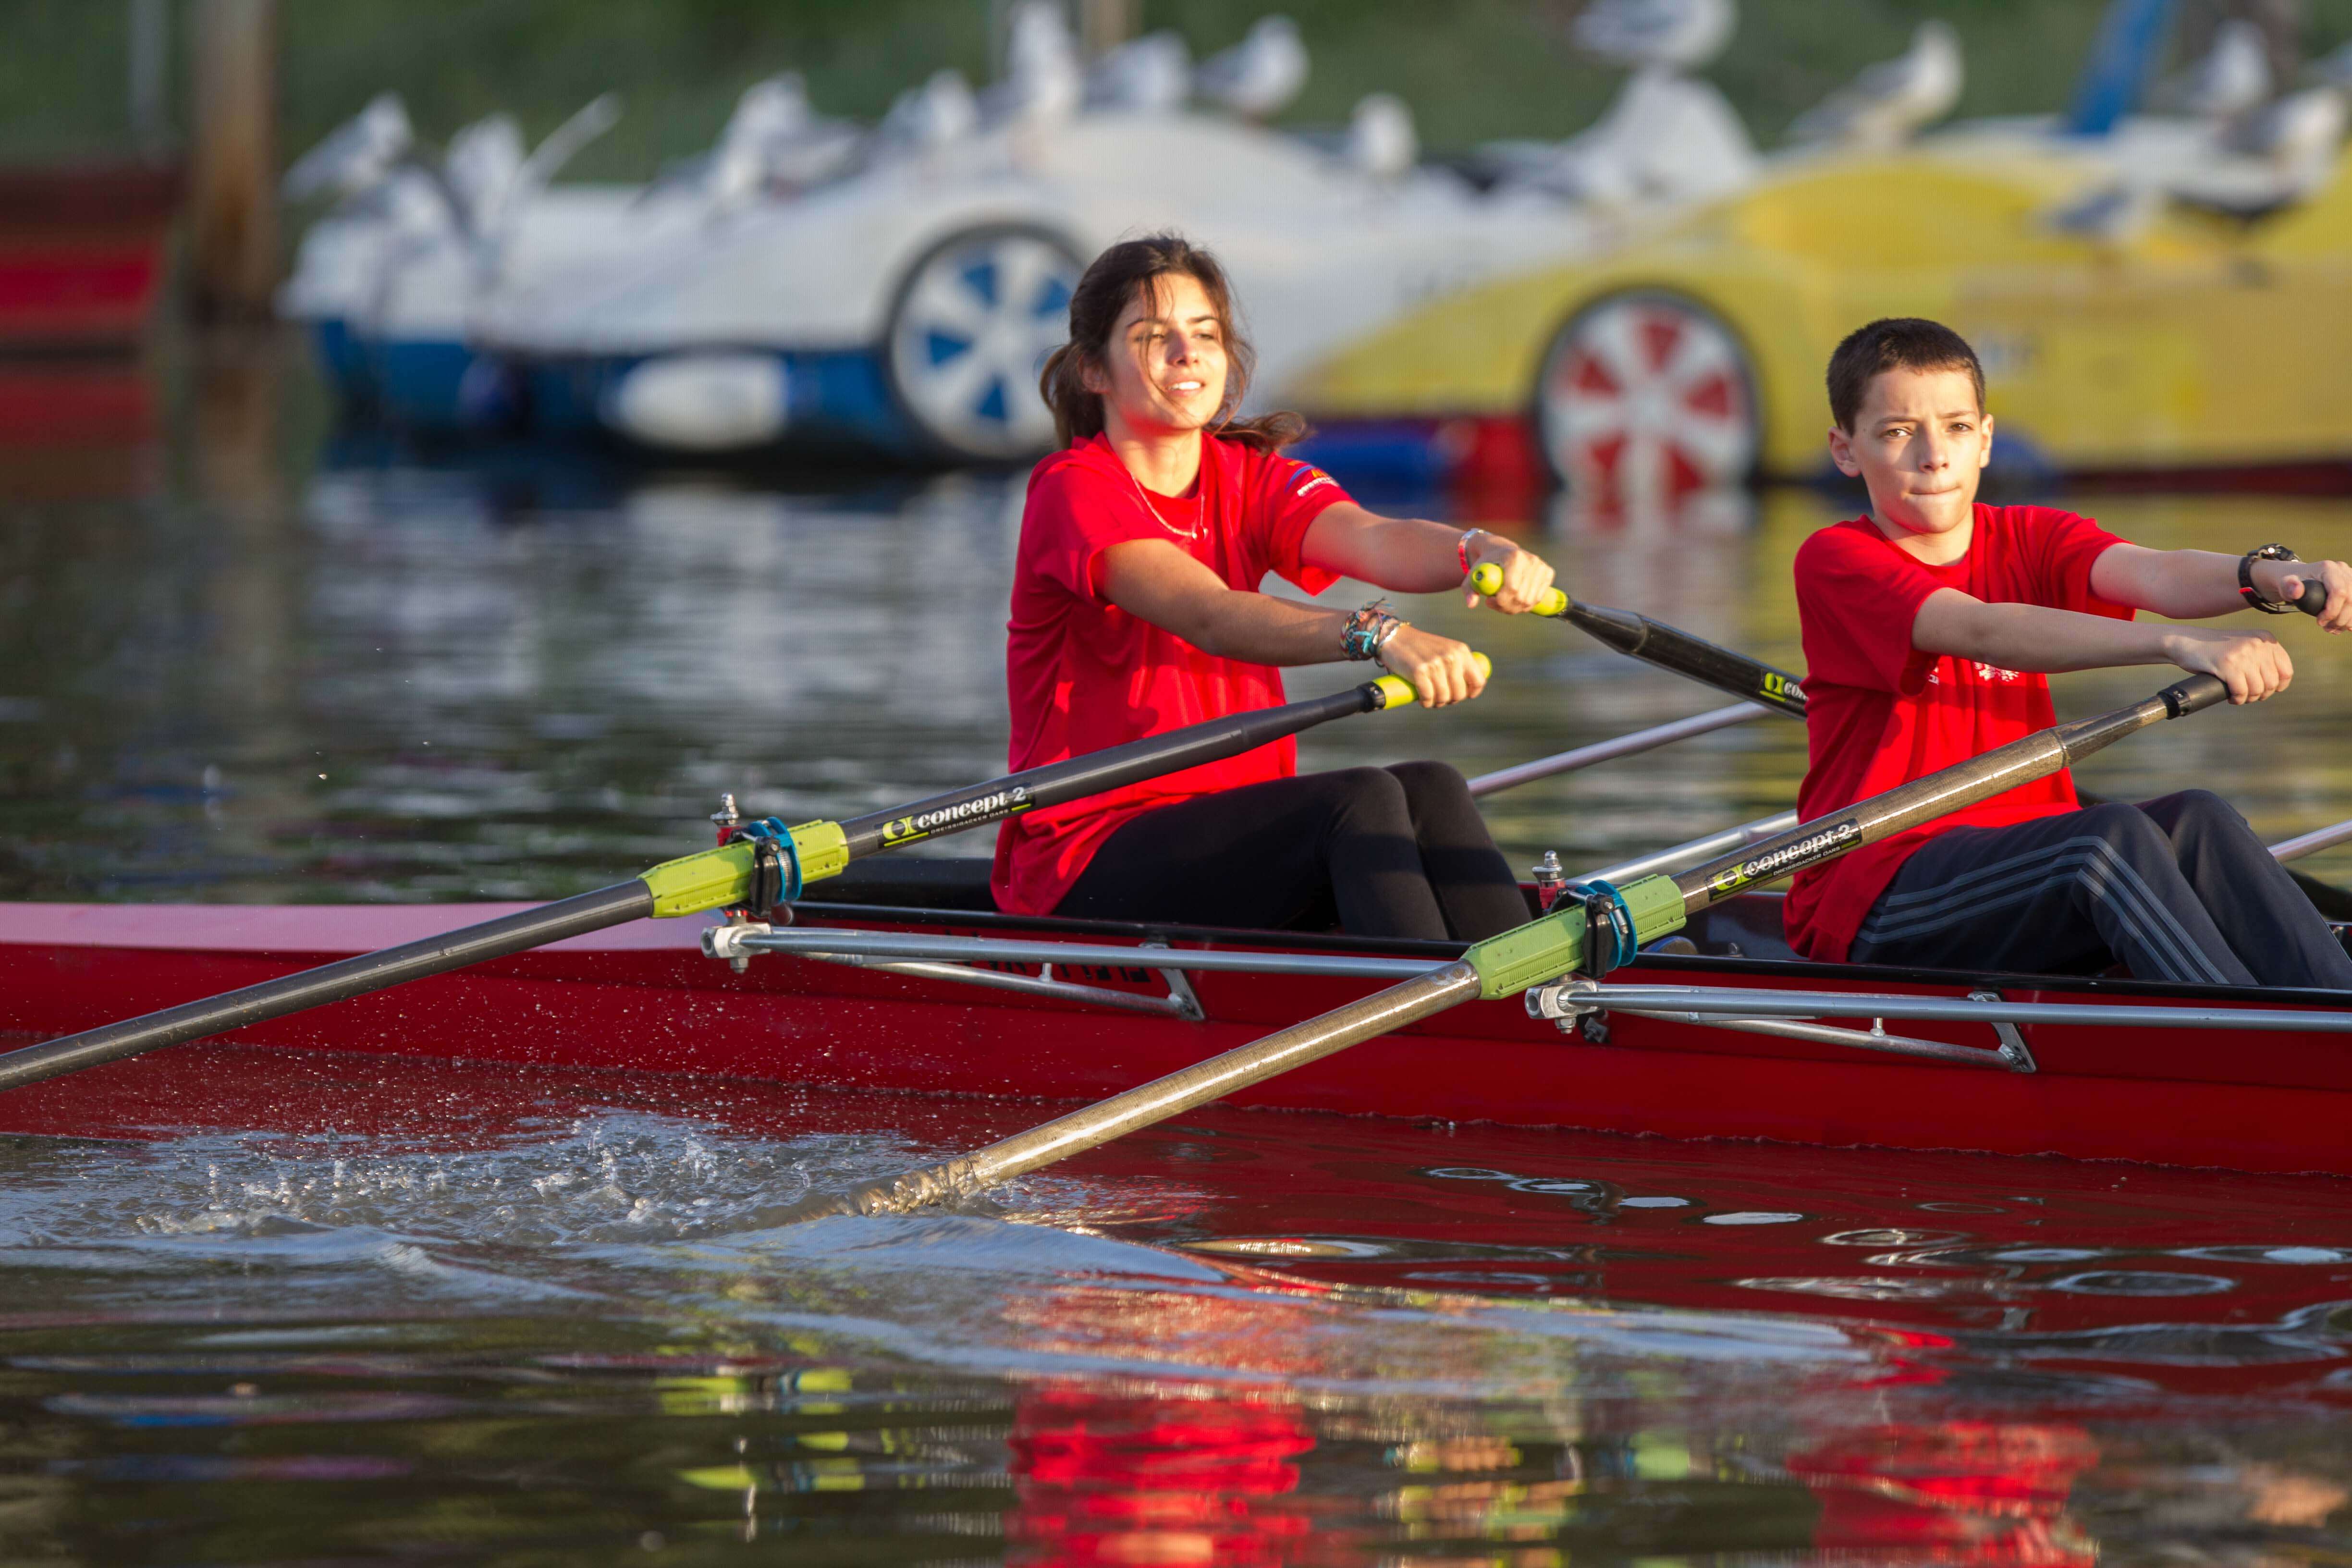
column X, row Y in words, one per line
column 1644, row 400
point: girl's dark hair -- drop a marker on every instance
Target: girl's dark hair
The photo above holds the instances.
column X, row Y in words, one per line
column 1095, row 307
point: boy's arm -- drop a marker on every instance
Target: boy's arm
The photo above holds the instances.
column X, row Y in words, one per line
column 2193, row 584
column 2252, row 664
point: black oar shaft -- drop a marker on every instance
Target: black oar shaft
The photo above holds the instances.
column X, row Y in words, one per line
column 329, row 982
column 1668, row 647
column 710, row 881
column 1113, row 767
column 1692, row 657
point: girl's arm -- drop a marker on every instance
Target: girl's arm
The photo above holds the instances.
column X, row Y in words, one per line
column 2193, row 584
column 1407, row 555
column 1157, row 582
column 2252, row 664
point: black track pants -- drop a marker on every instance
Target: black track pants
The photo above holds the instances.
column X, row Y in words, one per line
column 1396, row 851
column 2177, row 889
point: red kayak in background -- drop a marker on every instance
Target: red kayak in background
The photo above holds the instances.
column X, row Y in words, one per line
column 81, row 254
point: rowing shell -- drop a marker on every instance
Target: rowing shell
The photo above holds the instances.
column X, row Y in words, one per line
column 920, row 987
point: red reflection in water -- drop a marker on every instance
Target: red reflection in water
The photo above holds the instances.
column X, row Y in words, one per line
column 1106, row 1478
column 1951, row 1492
column 78, row 430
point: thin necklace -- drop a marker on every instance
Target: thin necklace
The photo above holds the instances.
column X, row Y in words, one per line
column 1193, row 532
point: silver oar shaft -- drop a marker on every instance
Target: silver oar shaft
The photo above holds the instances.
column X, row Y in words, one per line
column 1940, row 794
column 1380, row 1014
column 1639, row 741
column 2311, row 843
column 1683, row 857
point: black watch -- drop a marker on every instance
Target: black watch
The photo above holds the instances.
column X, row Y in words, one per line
column 2253, row 596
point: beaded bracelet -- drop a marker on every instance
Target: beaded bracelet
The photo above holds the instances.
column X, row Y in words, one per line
column 1368, row 630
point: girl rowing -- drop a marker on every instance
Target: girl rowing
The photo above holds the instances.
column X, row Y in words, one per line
column 1135, row 610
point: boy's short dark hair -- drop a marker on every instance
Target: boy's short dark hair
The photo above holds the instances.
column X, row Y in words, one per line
column 1894, row 342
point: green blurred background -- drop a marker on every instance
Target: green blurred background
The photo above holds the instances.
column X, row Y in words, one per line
column 1471, row 70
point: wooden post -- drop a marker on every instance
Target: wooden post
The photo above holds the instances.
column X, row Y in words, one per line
column 1104, row 25
column 233, row 173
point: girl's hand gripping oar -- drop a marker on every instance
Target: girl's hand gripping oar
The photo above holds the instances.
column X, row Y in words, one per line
column 1668, row 647
column 767, row 864
column 1595, row 932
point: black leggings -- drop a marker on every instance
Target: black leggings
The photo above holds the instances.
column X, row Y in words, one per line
column 2177, row 889
column 1396, row 851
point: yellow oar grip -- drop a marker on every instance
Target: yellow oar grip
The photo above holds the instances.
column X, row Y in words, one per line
column 1487, row 578
column 1548, row 947
column 719, row 877
column 1396, row 691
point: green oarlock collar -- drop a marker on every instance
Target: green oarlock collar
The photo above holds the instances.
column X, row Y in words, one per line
column 1543, row 950
column 716, row 878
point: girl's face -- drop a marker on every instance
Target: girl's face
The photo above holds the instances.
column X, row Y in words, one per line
column 1163, row 371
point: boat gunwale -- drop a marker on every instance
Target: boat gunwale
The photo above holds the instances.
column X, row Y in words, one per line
column 1175, row 935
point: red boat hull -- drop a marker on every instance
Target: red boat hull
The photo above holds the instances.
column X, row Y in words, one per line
column 643, row 998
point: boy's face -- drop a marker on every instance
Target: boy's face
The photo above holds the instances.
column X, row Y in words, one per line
column 1920, row 443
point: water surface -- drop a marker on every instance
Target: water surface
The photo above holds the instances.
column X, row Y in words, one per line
column 260, row 1307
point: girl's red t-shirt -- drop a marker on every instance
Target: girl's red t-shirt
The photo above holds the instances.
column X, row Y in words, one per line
column 1081, row 674
column 1879, row 713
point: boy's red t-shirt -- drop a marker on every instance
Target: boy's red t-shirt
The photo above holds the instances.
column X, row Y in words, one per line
column 1081, row 674
column 1879, row 713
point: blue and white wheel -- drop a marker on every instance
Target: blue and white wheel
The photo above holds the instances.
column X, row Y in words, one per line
column 969, row 332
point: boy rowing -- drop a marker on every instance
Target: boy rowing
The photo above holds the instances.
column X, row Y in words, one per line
column 1929, row 626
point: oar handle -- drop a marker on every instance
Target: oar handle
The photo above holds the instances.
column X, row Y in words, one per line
column 1396, row 691
column 2193, row 695
column 2314, row 598
column 1487, row 578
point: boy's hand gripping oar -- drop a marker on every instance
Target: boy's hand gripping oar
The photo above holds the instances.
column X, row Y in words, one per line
column 1533, row 954
column 769, row 865
column 1668, row 647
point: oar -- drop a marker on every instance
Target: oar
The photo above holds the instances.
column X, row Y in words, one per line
column 1608, row 751
column 787, row 859
column 1533, row 954
column 1671, row 649
column 1682, row 857
column 2334, row 902
column 2311, row 843
column 1668, row 647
